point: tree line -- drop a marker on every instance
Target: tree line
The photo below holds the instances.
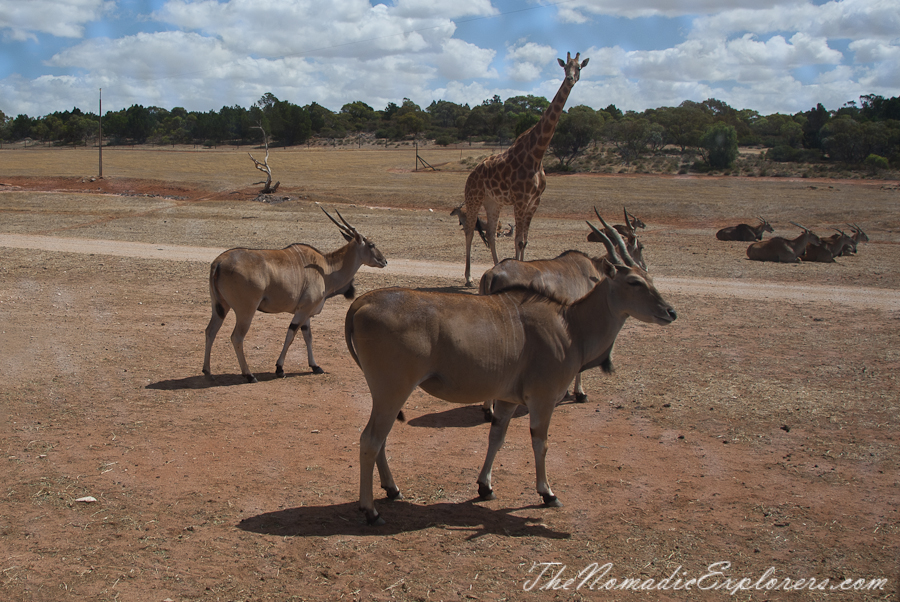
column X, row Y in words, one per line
column 864, row 132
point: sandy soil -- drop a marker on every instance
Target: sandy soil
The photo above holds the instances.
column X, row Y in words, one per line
column 760, row 429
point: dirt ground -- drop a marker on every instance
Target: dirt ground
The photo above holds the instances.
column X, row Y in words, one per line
column 750, row 446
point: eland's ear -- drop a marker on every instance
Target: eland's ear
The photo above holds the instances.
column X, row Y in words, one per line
column 347, row 237
column 608, row 269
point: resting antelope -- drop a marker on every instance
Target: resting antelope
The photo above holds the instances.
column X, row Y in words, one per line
column 858, row 236
column 745, row 232
column 297, row 279
column 850, row 247
column 518, row 347
column 827, row 248
column 782, row 249
column 632, row 223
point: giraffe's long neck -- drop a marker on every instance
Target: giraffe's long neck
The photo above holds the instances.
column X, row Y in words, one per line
column 538, row 138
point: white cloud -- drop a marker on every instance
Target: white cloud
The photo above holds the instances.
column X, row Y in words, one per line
column 460, row 60
column 429, row 9
column 767, row 55
column 848, row 19
column 528, row 60
column 21, row 20
column 309, row 28
column 577, row 11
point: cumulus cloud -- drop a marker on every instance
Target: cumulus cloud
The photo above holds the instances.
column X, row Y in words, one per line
column 340, row 28
column 768, row 55
column 459, row 60
column 22, row 20
column 849, row 19
column 527, row 60
column 578, row 11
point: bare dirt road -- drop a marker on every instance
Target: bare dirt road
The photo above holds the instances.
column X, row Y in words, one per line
column 858, row 297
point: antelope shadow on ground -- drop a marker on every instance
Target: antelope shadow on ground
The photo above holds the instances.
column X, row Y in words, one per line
column 402, row 516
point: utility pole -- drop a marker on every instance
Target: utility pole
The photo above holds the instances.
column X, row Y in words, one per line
column 100, row 145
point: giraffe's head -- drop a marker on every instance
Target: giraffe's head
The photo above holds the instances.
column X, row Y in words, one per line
column 573, row 67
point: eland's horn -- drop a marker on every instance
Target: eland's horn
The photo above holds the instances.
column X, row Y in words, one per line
column 352, row 229
column 801, row 227
column 610, row 248
column 628, row 221
column 336, row 223
column 617, row 240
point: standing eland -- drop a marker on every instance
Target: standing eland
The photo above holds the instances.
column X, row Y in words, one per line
column 518, row 347
column 297, row 279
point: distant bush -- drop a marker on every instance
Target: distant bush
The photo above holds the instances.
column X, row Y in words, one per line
column 876, row 163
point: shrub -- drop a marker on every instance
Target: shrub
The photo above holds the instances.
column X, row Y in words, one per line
column 719, row 142
column 876, row 163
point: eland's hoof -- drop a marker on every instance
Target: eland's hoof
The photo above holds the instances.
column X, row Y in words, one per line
column 373, row 519
column 279, row 371
column 551, row 501
column 317, row 370
column 393, row 494
column 488, row 415
column 250, row 378
column 485, row 492
column 581, row 398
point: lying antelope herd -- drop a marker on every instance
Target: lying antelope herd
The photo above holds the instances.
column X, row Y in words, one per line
column 806, row 247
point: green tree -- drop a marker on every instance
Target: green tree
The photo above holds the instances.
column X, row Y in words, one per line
column 684, row 124
column 361, row 116
column 20, row 127
column 576, row 131
column 139, row 123
column 814, row 121
column 446, row 114
column 410, row 118
column 296, row 124
column 719, row 145
column 630, row 135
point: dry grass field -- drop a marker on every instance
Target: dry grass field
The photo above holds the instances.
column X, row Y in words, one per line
column 760, row 429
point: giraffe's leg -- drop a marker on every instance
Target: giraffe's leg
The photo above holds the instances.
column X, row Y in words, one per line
column 473, row 205
column 492, row 209
column 523, row 223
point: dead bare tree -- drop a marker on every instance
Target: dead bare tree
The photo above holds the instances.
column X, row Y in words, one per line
column 264, row 166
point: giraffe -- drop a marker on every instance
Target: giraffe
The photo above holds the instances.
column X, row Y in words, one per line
column 516, row 176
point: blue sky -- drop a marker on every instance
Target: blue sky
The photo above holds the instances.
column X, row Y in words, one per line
column 766, row 55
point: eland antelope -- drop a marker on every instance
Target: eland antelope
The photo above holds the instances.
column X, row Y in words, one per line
column 745, row 232
column 858, row 236
column 847, row 243
column 632, row 223
column 518, row 347
column 566, row 278
column 634, row 246
column 781, row 249
column 827, row 248
column 460, row 213
column 297, row 279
